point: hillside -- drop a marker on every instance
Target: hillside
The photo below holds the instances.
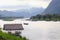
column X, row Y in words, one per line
column 53, row 8
column 21, row 12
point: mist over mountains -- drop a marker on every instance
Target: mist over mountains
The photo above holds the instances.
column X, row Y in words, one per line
column 53, row 8
column 22, row 12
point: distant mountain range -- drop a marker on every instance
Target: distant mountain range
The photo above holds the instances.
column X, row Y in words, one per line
column 53, row 8
column 22, row 12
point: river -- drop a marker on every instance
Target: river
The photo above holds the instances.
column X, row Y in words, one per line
column 39, row 30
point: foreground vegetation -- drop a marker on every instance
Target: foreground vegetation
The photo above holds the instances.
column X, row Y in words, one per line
column 47, row 17
column 5, row 36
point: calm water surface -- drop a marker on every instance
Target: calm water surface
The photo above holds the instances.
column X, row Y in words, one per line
column 42, row 30
column 39, row 30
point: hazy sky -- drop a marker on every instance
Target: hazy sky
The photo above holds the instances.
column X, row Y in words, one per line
column 16, row 4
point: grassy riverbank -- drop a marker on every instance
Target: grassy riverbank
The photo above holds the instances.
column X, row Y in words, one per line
column 5, row 36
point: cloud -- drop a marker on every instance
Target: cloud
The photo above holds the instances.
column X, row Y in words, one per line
column 11, row 4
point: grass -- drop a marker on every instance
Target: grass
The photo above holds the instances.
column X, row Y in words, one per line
column 5, row 36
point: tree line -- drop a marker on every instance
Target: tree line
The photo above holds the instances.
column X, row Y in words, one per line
column 46, row 17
